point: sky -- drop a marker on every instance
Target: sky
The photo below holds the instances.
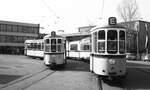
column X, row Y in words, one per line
column 67, row 15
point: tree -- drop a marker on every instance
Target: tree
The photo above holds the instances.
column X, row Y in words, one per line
column 128, row 10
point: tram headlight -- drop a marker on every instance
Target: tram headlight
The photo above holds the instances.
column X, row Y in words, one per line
column 111, row 61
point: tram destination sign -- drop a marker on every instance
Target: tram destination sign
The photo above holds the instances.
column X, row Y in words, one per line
column 112, row 21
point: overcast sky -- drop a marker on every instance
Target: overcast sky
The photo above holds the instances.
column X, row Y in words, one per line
column 65, row 15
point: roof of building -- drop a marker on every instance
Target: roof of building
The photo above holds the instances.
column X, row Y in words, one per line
column 19, row 23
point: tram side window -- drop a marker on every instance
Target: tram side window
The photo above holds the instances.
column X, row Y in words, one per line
column 101, row 35
column 73, row 47
column 86, row 47
column 101, row 47
column 35, row 46
column 39, row 46
column 122, row 42
column 53, row 45
column 32, row 46
column 95, row 42
column 101, row 44
column 42, row 46
column 112, row 45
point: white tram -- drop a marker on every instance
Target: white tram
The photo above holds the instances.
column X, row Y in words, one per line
column 79, row 49
column 54, row 50
column 34, row 48
column 108, row 56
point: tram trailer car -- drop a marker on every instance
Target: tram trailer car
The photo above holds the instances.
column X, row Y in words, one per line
column 108, row 56
column 79, row 49
column 34, row 48
column 54, row 50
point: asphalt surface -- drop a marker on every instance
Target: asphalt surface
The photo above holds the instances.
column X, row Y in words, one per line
column 24, row 73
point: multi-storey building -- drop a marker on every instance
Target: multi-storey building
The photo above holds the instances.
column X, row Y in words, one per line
column 138, row 36
column 13, row 35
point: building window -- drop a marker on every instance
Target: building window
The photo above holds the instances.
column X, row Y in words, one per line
column 9, row 28
column 3, row 27
column 14, row 28
column 19, row 28
column 2, row 38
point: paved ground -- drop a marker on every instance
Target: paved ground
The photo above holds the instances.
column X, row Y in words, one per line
column 75, row 75
column 23, row 73
column 15, row 67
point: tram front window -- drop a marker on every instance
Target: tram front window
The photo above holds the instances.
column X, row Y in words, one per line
column 112, row 45
column 53, row 45
column 112, row 35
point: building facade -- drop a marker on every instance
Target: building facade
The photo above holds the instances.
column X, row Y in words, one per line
column 13, row 35
column 138, row 36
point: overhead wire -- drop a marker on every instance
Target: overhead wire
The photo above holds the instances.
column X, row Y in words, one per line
column 102, row 9
column 50, row 9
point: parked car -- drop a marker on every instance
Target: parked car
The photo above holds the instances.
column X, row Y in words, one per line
column 131, row 56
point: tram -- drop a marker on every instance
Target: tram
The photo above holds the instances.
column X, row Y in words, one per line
column 54, row 50
column 34, row 48
column 79, row 49
column 108, row 55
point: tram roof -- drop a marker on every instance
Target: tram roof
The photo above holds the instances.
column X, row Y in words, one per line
column 34, row 41
column 109, row 26
column 76, row 34
column 56, row 36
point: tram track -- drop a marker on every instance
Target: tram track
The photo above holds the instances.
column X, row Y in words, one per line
column 39, row 80
column 28, row 80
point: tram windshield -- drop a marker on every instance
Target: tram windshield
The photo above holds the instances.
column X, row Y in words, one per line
column 122, row 42
column 53, row 45
column 112, row 45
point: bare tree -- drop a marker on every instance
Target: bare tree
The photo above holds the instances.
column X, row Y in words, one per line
column 128, row 10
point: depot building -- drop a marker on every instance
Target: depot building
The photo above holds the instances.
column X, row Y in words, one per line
column 13, row 35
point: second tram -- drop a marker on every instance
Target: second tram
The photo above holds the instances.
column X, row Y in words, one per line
column 54, row 50
column 34, row 48
column 108, row 56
